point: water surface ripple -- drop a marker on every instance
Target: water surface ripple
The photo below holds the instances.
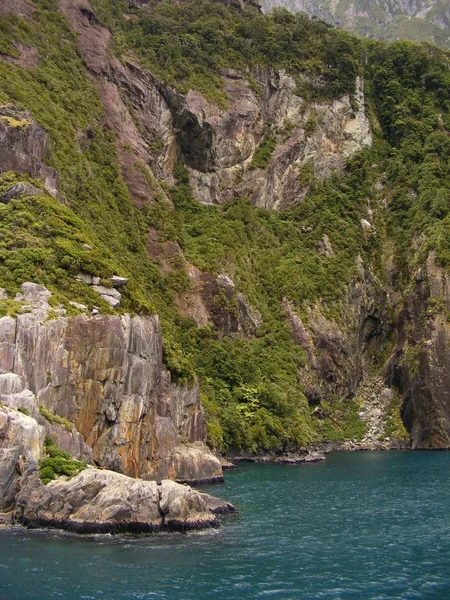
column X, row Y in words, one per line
column 362, row 526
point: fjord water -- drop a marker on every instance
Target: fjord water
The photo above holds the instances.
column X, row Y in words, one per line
column 360, row 526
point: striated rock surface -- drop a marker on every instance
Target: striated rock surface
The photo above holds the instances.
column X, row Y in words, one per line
column 156, row 125
column 420, row 364
column 106, row 375
column 21, row 442
column 218, row 145
column 97, row 501
column 24, row 146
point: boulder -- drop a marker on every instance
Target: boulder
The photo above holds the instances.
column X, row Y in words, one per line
column 101, row 501
column 18, row 190
column 110, row 295
column 117, row 281
column 218, row 506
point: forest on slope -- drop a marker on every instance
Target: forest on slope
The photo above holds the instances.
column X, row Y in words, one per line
column 388, row 20
column 259, row 386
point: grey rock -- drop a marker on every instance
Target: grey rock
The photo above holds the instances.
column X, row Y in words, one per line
column 117, row 281
column 24, row 147
column 7, row 343
column 78, row 305
column 98, row 501
column 106, row 375
column 71, row 441
column 9, row 477
column 11, row 383
column 218, row 506
column 85, row 278
column 110, row 295
column 104, row 291
column 24, row 400
column 18, row 190
column 324, row 246
column 21, row 441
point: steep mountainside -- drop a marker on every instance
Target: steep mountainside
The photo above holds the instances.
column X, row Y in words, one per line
column 415, row 20
column 252, row 210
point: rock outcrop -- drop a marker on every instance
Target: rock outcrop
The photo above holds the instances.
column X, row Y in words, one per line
column 217, row 144
column 21, row 441
column 24, row 146
column 97, row 501
column 420, row 364
column 105, row 374
column 339, row 354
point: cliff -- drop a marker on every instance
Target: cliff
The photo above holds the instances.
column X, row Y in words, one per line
column 259, row 221
column 105, row 375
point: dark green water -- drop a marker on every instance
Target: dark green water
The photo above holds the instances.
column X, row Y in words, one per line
column 361, row 526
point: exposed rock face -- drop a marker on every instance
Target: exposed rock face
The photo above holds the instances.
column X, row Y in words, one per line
column 18, row 190
column 99, row 500
column 339, row 354
column 106, row 502
column 22, row 8
column 420, row 365
column 211, row 299
column 24, row 147
column 21, row 441
column 129, row 96
column 106, row 375
column 28, row 56
column 217, row 144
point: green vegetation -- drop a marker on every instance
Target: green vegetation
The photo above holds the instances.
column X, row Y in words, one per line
column 188, row 44
column 410, row 86
column 393, row 424
column 252, row 393
column 263, row 152
column 52, row 418
column 339, row 421
column 57, row 462
column 251, row 388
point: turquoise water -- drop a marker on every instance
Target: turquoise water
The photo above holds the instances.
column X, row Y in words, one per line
column 361, row 526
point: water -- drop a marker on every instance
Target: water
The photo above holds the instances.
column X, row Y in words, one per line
column 361, row 526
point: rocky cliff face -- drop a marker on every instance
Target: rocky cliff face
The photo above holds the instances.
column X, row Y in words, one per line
column 106, row 375
column 420, row 365
column 24, row 146
column 156, row 125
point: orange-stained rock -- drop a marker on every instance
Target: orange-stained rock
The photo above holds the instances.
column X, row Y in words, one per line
column 105, row 374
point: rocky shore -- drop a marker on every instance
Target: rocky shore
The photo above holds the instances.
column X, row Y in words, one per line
column 101, row 501
column 94, row 389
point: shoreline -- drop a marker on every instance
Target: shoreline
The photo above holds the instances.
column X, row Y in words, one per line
column 315, row 453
